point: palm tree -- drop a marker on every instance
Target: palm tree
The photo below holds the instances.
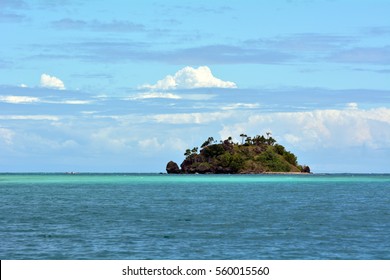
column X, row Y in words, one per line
column 207, row 142
column 243, row 136
column 187, row 153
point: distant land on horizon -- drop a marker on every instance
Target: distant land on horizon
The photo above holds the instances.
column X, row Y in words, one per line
column 254, row 155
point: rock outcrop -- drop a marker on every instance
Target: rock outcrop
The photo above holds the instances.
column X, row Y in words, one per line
column 173, row 168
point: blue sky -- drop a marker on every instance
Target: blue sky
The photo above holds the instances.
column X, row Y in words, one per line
column 126, row 86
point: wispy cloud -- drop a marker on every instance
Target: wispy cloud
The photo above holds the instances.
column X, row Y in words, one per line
column 19, row 99
column 73, row 102
column 13, row 4
column 153, row 95
column 92, row 76
column 122, row 51
column 201, row 9
column 9, row 11
column 304, row 42
column 294, row 48
column 11, row 17
column 225, row 54
column 56, row 5
column 378, row 30
column 6, row 135
column 380, row 71
column 30, row 117
column 372, row 55
column 235, row 106
column 68, row 23
column 191, row 118
column 98, row 26
column 3, row 63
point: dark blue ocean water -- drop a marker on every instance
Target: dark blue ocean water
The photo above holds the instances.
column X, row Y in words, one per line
column 152, row 216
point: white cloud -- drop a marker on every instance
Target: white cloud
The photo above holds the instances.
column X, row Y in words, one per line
column 241, row 106
column 6, row 135
column 151, row 143
column 30, row 117
column 48, row 81
column 189, row 78
column 150, row 95
column 113, row 139
column 191, row 118
column 89, row 112
column 169, row 95
column 291, row 138
column 74, row 102
column 18, row 99
column 154, row 144
column 320, row 128
column 14, row 99
column 352, row 105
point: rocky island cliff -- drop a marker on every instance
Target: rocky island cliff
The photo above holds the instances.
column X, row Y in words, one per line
column 254, row 155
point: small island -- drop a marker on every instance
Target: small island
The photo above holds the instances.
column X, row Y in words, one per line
column 254, row 155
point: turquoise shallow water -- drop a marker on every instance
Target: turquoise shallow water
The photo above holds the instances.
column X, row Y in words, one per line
column 153, row 216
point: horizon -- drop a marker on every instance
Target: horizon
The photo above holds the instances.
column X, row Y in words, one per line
column 187, row 174
column 125, row 87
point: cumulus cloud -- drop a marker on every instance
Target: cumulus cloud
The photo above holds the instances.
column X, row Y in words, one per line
column 305, row 130
column 48, row 81
column 321, row 128
column 190, row 78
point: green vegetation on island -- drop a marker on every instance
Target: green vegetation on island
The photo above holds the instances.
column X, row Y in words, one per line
column 254, row 155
